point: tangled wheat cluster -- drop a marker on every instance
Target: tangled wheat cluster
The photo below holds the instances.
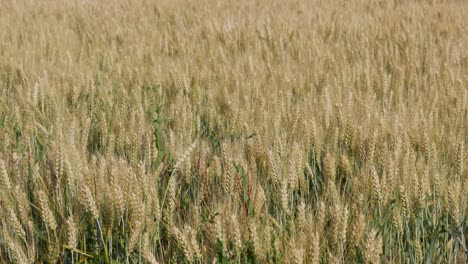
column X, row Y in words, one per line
column 233, row 132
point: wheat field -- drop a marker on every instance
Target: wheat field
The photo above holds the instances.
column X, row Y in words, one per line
column 266, row 131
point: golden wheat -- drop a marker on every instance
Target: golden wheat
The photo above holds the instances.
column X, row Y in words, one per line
column 247, row 132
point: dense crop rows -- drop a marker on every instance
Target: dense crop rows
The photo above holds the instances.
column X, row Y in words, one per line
column 233, row 131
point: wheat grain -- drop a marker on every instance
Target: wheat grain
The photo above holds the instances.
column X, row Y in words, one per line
column 46, row 213
column 71, row 233
column 16, row 224
column 4, row 178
